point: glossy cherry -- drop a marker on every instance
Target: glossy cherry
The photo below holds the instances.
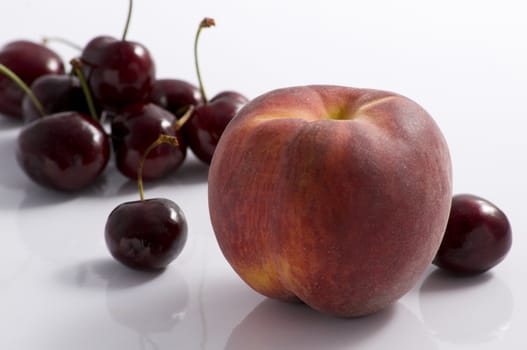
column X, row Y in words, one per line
column 205, row 127
column 65, row 151
column 119, row 72
column 175, row 95
column 123, row 74
column 478, row 236
column 146, row 234
column 56, row 93
column 28, row 60
column 134, row 130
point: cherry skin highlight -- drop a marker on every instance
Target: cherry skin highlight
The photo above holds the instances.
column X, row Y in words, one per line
column 28, row 60
column 146, row 234
column 477, row 238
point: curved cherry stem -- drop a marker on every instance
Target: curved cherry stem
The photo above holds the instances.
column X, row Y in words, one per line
column 205, row 23
column 128, row 19
column 20, row 83
column 77, row 65
column 64, row 41
column 184, row 118
column 172, row 140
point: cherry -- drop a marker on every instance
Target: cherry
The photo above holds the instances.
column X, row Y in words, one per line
column 56, row 93
column 64, row 151
column 134, row 129
column 123, row 74
column 205, row 127
column 175, row 95
column 119, row 72
column 146, row 234
column 28, row 60
column 477, row 237
column 210, row 119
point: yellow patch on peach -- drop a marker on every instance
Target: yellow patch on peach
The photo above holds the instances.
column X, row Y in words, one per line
column 289, row 274
column 262, row 277
column 274, row 278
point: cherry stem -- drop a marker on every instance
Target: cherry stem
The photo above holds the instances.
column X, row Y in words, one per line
column 184, row 118
column 172, row 140
column 128, row 18
column 205, row 23
column 20, row 83
column 71, row 44
column 77, row 65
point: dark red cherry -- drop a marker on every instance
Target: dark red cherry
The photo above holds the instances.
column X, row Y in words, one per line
column 28, row 60
column 478, row 236
column 119, row 72
column 175, row 95
column 204, row 129
column 56, row 93
column 134, row 130
column 146, row 234
column 65, row 151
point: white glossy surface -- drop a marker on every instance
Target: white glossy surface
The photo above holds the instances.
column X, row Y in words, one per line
column 464, row 61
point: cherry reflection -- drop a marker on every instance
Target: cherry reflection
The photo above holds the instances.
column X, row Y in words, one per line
column 466, row 310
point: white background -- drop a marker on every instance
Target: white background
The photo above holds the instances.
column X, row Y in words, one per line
column 464, row 61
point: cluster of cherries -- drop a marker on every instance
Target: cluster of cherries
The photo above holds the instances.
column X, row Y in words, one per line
column 112, row 103
column 65, row 145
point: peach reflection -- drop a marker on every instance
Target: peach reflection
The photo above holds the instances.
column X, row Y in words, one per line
column 276, row 325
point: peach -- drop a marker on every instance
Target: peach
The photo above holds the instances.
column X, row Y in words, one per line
column 333, row 196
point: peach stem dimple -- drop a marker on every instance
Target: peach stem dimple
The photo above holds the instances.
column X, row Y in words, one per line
column 371, row 104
